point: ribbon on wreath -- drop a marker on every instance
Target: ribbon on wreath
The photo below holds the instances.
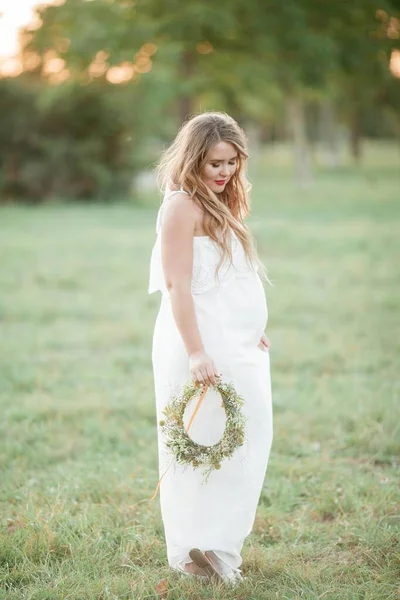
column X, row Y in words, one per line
column 200, row 400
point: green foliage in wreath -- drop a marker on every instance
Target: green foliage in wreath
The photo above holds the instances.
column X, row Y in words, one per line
column 188, row 452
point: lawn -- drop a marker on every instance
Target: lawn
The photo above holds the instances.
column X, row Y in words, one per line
column 78, row 429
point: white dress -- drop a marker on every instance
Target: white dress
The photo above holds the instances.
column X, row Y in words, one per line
column 232, row 315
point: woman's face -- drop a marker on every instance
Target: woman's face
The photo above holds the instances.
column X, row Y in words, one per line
column 220, row 166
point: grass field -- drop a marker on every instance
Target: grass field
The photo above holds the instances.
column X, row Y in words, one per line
column 78, row 429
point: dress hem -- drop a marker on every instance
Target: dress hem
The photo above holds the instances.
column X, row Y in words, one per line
column 226, row 567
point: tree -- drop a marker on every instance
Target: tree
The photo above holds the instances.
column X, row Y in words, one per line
column 251, row 59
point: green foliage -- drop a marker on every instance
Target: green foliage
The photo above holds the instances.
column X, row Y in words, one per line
column 297, row 46
column 68, row 140
column 275, row 65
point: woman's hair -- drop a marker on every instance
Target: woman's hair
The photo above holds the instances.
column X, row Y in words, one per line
column 181, row 165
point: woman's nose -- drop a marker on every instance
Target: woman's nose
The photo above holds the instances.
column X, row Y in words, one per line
column 224, row 171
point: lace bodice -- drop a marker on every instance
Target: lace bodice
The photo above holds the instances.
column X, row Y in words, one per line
column 206, row 256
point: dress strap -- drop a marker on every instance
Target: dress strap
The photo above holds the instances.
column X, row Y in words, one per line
column 170, row 193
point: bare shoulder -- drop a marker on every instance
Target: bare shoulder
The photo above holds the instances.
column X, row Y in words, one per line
column 180, row 211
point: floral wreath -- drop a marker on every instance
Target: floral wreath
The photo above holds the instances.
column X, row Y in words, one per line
column 184, row 449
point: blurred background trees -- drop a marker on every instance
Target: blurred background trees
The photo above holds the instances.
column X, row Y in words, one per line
column 105, row 84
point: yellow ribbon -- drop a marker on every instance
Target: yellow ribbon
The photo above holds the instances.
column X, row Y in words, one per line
column 204, row 392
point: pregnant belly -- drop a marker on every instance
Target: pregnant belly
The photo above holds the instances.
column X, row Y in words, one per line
column 246, row 312
column 233, row 316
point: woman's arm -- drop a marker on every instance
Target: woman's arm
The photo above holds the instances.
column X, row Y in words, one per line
column 178, row 226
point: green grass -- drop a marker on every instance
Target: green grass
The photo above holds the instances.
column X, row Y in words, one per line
column 78, row 429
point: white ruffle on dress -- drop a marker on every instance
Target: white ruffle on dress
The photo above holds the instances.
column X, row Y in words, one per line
column 232, row 315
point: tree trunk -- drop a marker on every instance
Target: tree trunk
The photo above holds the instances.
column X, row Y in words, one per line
column 301, row 147
column 355, row 135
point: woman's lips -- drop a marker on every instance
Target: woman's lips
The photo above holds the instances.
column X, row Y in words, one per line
column 221, row 181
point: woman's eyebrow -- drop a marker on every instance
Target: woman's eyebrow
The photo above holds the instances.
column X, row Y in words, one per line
column 220, row 159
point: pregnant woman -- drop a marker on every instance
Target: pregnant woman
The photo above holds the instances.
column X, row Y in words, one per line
column 210, row 323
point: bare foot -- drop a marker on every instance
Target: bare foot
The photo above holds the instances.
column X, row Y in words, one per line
column 194, row 569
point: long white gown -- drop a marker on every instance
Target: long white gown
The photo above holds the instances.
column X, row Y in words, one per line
column 232, row 315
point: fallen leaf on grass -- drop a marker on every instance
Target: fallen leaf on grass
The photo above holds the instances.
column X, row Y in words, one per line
column 161, row 587
column 14, row 525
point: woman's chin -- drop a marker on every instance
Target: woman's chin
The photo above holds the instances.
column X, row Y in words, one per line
column 217, row 189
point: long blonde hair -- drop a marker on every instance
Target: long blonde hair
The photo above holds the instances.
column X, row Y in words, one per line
column 181, row 165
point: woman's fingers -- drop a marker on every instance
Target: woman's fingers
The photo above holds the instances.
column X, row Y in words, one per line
column 203, row 369
column 204, row 372
column 197, row 377
column 201, row 377
column 216, row 371
column 211, row 375
column 207, row 376
column 264, row 344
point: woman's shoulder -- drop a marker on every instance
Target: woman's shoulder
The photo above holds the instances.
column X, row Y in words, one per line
column 178, row 198
column 174, row 199
column 180, row 208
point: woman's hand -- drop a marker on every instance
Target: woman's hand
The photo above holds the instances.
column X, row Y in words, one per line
column 264, row 344
column 202, row 368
